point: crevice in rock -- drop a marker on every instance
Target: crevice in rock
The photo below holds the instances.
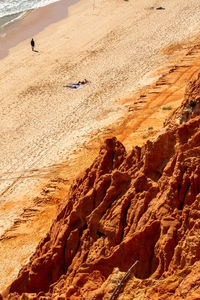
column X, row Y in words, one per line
column 183, row 195
column 124, row 219
column 100, row 234
column 148, row 262
column 155, row 176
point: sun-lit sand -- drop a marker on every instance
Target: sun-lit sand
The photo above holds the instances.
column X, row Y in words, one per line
column 117, row 46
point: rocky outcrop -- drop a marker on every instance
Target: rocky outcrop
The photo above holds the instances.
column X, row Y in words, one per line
column 143, row 205
column 190, row 107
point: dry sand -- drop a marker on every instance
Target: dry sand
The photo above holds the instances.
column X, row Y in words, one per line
column 118, row 46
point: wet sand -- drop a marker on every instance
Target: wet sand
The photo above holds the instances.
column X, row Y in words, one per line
column 31, row 24
column 49, row 133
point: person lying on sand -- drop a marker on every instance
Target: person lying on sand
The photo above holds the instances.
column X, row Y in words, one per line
column 160, row 8
column 83, row 82
column 77, row 85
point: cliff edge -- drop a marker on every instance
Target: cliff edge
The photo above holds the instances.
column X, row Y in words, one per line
column 142, row 206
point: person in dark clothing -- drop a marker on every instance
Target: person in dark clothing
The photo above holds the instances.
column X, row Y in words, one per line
column 33, row 44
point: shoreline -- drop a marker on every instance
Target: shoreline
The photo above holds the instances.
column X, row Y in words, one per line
column 32, row 23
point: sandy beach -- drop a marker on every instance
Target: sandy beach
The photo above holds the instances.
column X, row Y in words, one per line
column 118, row 46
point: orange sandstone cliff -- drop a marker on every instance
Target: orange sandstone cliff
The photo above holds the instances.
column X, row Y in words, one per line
column 139, row 206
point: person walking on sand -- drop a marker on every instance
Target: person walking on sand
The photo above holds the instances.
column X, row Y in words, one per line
column 33, row 44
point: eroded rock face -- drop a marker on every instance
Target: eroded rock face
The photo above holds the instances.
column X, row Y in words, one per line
column 143, row 205
column 190, row 107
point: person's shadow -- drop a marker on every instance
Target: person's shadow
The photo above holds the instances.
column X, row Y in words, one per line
column 35, row 50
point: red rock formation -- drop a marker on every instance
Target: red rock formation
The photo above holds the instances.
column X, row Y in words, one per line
column 190, row 106
column 144, row 205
